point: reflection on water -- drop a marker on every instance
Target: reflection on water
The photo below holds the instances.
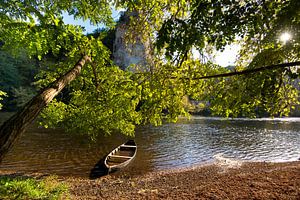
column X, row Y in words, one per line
column 187, row 143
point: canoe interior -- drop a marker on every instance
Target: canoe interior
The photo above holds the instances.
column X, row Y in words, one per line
column 122, row 154
column 130, row 142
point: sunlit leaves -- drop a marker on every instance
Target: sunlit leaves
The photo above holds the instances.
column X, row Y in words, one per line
column 270, row 93
column 44, row 10
column 285, row 19
column 105, row 98
column 161, row 97
column 93, row 110
column 2, row 94
column 38, row 26
column 31, row 188
column 212, row 22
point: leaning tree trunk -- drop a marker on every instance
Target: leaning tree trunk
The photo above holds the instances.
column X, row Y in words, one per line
column 12, row 129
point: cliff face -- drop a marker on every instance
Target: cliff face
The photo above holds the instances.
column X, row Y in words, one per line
column 126, row 54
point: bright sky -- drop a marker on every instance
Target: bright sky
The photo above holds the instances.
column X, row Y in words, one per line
column 228, row 56
column 225, row 58
column 86, row 24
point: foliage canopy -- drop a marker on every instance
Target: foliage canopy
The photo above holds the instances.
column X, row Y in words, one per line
column 107, row 98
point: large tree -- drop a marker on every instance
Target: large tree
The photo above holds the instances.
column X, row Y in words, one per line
column 105, row 98
column 37, row 27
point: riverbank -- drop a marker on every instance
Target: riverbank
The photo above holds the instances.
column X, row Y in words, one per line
column 217, row 181
column 221, row 180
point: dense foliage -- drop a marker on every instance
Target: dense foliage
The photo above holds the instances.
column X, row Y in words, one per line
column 257, row 27
column 16, row 75
column 107, row 98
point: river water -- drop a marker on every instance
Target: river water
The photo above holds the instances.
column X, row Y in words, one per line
column 184, row 144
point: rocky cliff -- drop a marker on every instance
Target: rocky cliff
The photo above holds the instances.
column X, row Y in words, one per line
column 130, row 56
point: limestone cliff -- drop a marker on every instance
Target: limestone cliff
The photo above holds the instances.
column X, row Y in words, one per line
column 130, row 56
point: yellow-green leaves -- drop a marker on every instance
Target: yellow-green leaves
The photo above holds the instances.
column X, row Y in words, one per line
column 92, row 110
column 29, row 188
column 2, row 94
column 38, row 26
column 106, row 98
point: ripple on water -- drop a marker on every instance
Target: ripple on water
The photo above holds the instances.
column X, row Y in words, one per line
column 183, row 144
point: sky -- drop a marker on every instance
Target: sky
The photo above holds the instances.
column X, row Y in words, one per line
column 228, row 56
column 86, row 24
column 225, row 58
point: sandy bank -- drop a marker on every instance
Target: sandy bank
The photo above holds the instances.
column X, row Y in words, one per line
column 217, row 181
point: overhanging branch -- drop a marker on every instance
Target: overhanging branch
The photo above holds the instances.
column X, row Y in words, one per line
column 247, row 71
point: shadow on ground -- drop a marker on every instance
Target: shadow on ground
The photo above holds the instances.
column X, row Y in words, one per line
column 99, row 169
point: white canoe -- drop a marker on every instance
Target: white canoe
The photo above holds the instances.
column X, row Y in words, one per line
column 121, row 156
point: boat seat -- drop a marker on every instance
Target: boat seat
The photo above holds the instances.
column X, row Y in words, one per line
column 124, row 145
column 117, row 156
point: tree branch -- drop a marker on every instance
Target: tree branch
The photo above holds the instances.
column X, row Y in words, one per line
column 12, row 129
column 247, row 71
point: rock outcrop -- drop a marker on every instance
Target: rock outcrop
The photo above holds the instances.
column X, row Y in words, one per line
column 130, row 56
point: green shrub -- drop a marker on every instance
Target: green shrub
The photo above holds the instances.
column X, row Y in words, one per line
column 30, row 188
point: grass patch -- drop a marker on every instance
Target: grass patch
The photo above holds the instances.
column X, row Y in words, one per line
column 30, row 188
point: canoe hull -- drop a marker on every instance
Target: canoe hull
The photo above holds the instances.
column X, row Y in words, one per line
column 121, row 156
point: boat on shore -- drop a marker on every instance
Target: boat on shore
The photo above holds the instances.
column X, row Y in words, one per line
column 121, row 156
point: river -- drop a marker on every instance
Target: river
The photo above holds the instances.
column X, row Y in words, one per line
column 187, row 143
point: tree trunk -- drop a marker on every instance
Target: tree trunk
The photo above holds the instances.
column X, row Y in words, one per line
column 12, row 129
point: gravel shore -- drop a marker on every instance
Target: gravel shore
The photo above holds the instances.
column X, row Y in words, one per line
column 216, row 181
column 221, row 180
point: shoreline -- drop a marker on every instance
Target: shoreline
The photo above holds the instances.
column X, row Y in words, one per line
column 222, row 179
column 219, row 180
column 260, row 180
column 249, row 180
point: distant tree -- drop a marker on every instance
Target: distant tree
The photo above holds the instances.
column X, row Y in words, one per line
column 107, row 36
column 16, row 75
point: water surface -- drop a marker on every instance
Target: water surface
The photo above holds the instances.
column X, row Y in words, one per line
column 184, row 144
